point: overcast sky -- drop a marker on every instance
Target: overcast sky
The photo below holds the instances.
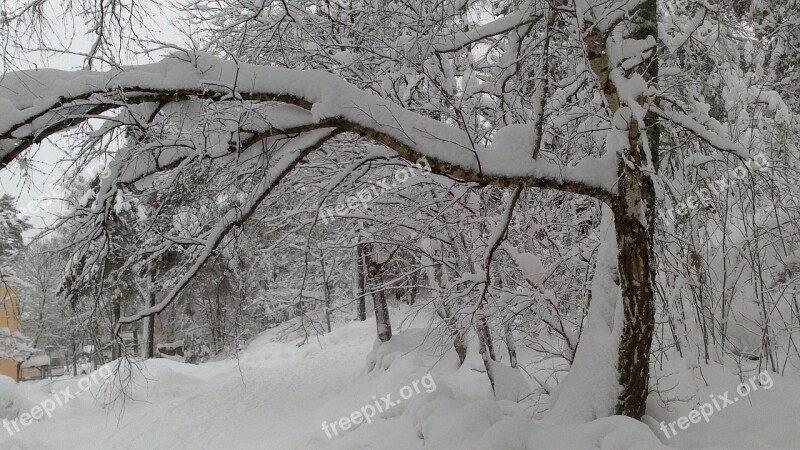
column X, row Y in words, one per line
column 35, row 185
column 37, row 181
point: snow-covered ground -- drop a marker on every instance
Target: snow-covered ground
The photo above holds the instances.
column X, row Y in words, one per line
column 277, row 396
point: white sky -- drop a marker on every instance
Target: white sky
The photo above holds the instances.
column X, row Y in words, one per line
column 36, row 185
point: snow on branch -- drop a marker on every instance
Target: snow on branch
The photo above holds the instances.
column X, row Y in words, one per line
column 39, row 103
column 716, row 138
column 505, row 24
column 605, row 15
column 290, row 153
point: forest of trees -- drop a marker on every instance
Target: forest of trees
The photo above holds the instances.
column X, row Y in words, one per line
column 606, row 182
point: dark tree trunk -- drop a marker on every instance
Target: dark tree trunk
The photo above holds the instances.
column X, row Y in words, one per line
column 116, row 348
column 487, row 338
column 482, row 349
column 74, row 343
column 136, row 340
column 412, row 294
column 149, row 329
column 361, row 275
column 511, row 345
column 382, row 315
column 375, row 274
column 636, row 283
column 326, row 294
column 634, row 209
column 460, row 344
column 635, row 228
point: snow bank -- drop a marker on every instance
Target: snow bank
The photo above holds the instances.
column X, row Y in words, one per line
column 615, row 432
column 590, row 390
column 449, row 420
column 277, row 395
column 765, row 418
column 12, row 402
column 509, row 383
column 403, row 345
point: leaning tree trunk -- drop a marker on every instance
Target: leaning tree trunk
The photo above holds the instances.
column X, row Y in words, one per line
column 451, row 322
column 621, row 316
column 487, row 338
column 488, row 362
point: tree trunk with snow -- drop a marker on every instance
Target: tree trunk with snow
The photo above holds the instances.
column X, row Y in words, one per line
column 636, row 283
column 460, row 345
column 482, row 349
column 459, row 341
column 382, row 316
column 621, row 318
column 511, row 345
column 634, row 209
column 487, row 338
column 148, row 337
column 375, row 266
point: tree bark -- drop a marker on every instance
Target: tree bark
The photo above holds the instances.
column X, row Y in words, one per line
column 361, row 277
column 487, row 338
column 459, row 343
column 382, row 315
column 634, row 207
column 511, row 345
column 149, row 329
column 487, row 360
column 636, row 283
column 74, row 343
column 116, row 348
column 635, row 228
column 374, row 271
column 326, row 293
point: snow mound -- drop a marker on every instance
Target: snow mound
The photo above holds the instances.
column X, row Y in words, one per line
column 446, row 419
column 12, row 402
column 404, row 345
column 609, row 433
column 509, row 383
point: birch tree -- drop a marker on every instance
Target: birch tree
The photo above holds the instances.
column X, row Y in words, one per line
column 573, row 96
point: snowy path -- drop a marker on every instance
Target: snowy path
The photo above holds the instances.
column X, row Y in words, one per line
column 277, row 396
column 269, row 401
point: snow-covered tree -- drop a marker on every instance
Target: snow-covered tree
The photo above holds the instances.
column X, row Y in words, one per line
column 626, row 102
column 13, row 344
column 12, row 225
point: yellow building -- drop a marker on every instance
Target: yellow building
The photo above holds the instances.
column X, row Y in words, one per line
column 8, row 319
